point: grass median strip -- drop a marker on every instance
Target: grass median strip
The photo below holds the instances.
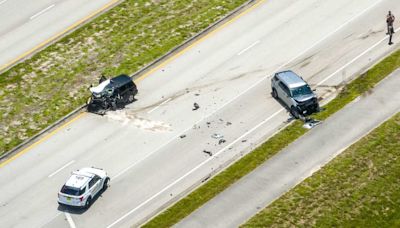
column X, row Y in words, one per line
column 359, row 188
column 249, row 162
column 55, row 81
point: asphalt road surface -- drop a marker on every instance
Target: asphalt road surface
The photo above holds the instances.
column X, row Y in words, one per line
column 227, row 73
column 299, row 160
column 28, row 25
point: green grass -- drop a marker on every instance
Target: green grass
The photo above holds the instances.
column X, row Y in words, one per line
column 44, row 88
column 359, row 188
column 248, row 163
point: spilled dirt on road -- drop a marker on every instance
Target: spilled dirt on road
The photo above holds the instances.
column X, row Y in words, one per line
column 125, row 117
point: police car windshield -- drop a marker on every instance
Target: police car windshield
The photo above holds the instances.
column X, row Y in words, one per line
column 301, row 91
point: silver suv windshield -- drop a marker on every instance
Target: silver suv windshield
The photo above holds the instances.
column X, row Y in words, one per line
column 301, row 91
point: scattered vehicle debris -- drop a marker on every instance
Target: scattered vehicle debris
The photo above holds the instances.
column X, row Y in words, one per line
column 208, row 152
column 112, row 94
column 310, row 123
column 195, row 106
column 217, row 136
column 221, row 141
column 182, row 136
column 206, row 178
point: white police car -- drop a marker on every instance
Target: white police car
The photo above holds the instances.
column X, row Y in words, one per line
column 82, row 187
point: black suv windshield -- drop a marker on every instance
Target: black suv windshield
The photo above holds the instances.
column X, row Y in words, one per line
column 72, row 191
column 302, row 90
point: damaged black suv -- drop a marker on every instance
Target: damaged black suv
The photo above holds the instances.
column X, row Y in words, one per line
column 112, row 94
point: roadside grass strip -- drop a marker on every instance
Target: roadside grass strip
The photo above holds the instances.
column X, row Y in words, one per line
column 44, row 88
column 361, row 85
column 359, row 188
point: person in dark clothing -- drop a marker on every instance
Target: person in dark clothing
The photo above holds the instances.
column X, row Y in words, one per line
column 389, row 22
column 390, row 30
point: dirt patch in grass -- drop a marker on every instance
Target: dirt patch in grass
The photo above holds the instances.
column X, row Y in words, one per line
column 52, row 83
column 359, row 188
column 362, row 85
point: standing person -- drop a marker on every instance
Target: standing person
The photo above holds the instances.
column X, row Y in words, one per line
column 389, row 21
column 390, row 30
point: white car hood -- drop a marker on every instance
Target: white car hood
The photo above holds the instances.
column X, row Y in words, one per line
column 100, row 87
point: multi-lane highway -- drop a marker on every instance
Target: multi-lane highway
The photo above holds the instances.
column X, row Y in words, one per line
column 27, row 26
column 153, row 150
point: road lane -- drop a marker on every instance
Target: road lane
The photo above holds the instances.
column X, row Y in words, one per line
column 144, row 149
column 300, row 159
column 27, row 27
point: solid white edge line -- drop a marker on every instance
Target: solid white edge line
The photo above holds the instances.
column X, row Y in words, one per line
column 262, row 79
column 251, row 87
column 69, row 219
column 41, row 12
column 197, row 167
column 158, row 106
column 354, row 59
column 248, row 48
column 3, row 2
column 58, row 170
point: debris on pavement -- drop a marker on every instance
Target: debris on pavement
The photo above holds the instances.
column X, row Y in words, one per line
column 221, row 141
column 206, row 178
column 291, row 118
column 182, row 136
column 195, row 106
column 217, row 136
column 310, row 123
column 208, row 152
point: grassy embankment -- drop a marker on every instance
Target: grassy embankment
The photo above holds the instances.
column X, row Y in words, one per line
column 44, row 88
column 249, row 162
column 359, row 188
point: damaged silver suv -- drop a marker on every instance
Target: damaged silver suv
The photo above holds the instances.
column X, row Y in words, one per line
column 112, row 94
column 295, row 93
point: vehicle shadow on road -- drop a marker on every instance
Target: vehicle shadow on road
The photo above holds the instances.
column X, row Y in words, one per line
column 79, row 210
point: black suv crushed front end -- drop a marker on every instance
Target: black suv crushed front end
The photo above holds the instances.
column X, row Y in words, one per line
column 112, row 94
